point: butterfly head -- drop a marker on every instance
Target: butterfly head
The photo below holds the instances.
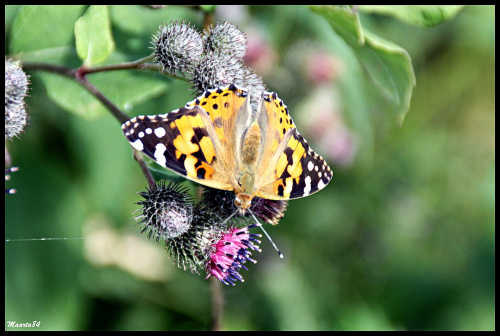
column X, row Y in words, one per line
column 243, row 202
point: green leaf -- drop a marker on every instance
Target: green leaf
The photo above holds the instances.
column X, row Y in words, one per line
column 423, row 16
column 387, row 65
column 93, row 35
column 34, row 35
column 120, row 87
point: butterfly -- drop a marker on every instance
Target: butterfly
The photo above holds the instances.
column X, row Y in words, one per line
column 220, row 141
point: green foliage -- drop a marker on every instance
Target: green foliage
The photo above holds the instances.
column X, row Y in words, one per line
column 388, row 65
column 85, row 33
column 423, row 16
column 402, row 238
column 121, row 88
column 35, row 36
column 93, row 35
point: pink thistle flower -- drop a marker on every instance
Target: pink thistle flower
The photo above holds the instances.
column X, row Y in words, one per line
column 230, row 253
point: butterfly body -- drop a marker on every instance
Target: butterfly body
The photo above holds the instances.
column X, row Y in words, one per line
column 218, row 140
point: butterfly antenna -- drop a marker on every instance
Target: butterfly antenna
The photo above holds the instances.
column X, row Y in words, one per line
column 228, row 218
column 267, row 234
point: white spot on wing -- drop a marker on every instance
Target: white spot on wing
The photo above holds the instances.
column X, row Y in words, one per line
column 160, row 132
column 310, row 166
column 159, row 154
column 137, row 144
column 307, row 188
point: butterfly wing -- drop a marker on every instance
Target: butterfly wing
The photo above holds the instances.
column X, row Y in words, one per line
column 274, row 121
column 228, row 108
column 292, row 169
column 183, row 141
column 201, row 141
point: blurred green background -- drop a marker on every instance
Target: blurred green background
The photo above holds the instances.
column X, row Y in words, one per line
column 402, row 238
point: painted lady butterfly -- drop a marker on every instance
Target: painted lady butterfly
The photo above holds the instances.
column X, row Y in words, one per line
column 219, row 141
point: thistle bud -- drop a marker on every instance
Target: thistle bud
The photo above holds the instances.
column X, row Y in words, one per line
column 215, row 69
column 226, row 39
column 177, row 47
column 16, row 88
column 167, row 211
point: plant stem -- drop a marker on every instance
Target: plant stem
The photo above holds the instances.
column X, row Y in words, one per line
column 79, row 75
column 217, row 303
column 140, row 160
column 115, row 111
column 138, row 64
column 208, row 19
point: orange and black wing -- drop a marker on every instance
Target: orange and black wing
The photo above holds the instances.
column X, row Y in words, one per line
column 183, row 141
